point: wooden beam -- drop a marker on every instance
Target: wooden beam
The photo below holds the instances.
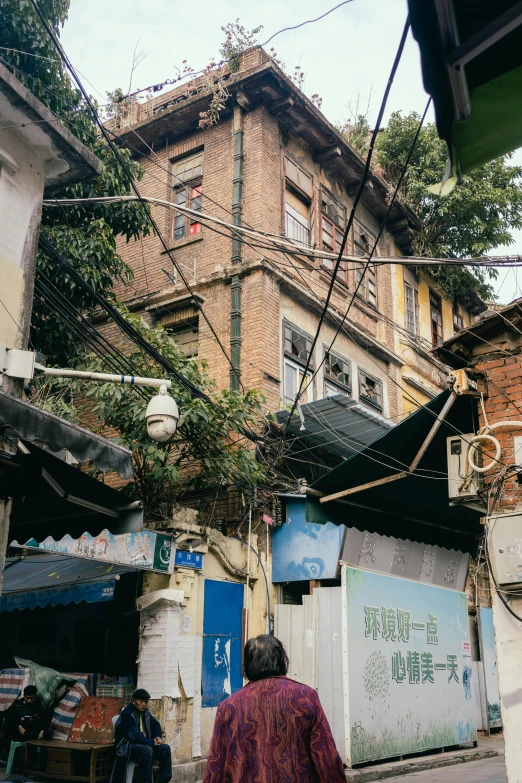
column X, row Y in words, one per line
column 280, row 105
column 328, row 154
column 431, row 434
column 362, row 487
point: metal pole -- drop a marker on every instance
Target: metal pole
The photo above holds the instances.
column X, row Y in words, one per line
column 247, row 597
column 133, row 380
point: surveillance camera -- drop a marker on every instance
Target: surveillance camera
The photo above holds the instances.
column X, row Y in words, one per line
column 162, row 417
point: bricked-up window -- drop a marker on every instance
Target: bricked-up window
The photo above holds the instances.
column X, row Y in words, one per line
column 363, row 243
column 337, row 374
column 458, row 322
column 370, row 390
column 296, row 349
column 411, row 302
column 333, row 222
column 187, row 183
column 436, row 319
column 298, row 203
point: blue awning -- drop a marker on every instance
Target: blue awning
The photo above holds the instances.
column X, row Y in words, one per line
column 50, row 580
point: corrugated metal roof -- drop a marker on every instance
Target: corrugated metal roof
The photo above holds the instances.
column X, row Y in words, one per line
column 44, row 571
column 338, row 423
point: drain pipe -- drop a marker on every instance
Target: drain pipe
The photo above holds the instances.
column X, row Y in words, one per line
column 236, row 287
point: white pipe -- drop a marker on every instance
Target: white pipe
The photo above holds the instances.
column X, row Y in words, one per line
column 133, row 380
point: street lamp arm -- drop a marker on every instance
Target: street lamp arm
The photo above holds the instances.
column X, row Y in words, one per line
column 103, row 377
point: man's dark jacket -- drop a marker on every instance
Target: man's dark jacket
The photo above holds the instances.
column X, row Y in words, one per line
column 28, row 715
column 128, row 728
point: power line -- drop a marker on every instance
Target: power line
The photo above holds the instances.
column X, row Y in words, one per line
column 403, row 171
column 352, row 213
column 129, row 176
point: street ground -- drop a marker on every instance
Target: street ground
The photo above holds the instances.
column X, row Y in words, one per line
column 485, row 771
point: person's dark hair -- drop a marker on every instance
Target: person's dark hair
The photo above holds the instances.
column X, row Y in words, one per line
column 30, row 690
column 141, row 693
column 264, row 656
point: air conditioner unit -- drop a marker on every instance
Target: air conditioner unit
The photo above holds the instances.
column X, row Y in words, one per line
column 457, row 449
column 505, row 549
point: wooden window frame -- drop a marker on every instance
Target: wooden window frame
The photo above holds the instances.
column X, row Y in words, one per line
column 437, row 325
column 378, row 406
column 333, row 380
column 368, row 288
column 457, row 317
column 187, row 192
column 332, row 233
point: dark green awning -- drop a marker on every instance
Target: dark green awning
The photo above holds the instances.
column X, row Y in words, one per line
column 471, row 53
column 416, row 507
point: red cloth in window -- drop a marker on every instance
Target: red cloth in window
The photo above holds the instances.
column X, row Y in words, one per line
column 273, row 730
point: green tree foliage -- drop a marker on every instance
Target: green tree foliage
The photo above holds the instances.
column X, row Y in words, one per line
column 471, row 221
column 86, row 234
column 208, row 451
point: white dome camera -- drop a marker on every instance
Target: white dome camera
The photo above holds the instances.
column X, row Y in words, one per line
column 162, row 416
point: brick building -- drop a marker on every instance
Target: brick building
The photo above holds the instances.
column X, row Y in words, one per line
column 274, row 162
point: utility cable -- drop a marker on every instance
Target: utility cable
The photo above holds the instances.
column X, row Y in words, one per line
column 130, row 179
column 352, row 213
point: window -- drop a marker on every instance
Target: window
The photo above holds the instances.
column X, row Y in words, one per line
column 436, row 319
column 458, row 323
column 362, row 246
column 296, row 346
column 411, row 302
column 293, row 378
column 298, row 202
column 186, row 336
column 370, row 390
column 333, row 220
column 187, row 175
column 297, row 218
column 339, row 371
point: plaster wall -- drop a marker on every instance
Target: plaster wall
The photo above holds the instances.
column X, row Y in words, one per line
column 22, row 180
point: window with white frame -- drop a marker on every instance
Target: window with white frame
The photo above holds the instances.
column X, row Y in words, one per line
column 296, row 352
column 337, row 374
column 298, row 203
column 370, row 390
column 187, row 184
column 363, row 243
column 411, row 302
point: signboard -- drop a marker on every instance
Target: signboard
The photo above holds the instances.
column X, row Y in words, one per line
column 408, row 674
column 188, row 559
column 146, row 549
column 489, row 657
column 303, row 550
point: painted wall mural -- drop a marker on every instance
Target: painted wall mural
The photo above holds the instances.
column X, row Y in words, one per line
column 487, row 633
column 409, row 666
column 303, row 550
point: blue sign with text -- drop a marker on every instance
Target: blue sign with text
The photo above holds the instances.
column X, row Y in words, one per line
column 188, row 559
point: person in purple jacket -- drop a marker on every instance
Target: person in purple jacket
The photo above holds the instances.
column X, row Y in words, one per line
column 273, row 729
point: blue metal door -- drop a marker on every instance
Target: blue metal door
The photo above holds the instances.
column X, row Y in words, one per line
column 222, row 641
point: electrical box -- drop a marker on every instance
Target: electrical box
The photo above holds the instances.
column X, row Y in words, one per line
column 20, row 364
column 457, row 449
column 505, row 549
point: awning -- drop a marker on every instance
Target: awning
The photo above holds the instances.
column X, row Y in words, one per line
column 471, row 66
column 338, row 424
column 34, row 424
column 50, row 580
column 54, row 498
column 416, row 507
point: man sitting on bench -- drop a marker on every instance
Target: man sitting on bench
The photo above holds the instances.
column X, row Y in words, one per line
column 138, row 727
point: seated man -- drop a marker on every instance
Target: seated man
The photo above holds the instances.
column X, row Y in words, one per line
column 138, row 727
column 24, row 720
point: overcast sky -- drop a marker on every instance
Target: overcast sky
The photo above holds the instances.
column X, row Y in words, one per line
column 345, row 55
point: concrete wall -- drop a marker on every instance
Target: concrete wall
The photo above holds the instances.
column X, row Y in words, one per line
column 22, row 180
